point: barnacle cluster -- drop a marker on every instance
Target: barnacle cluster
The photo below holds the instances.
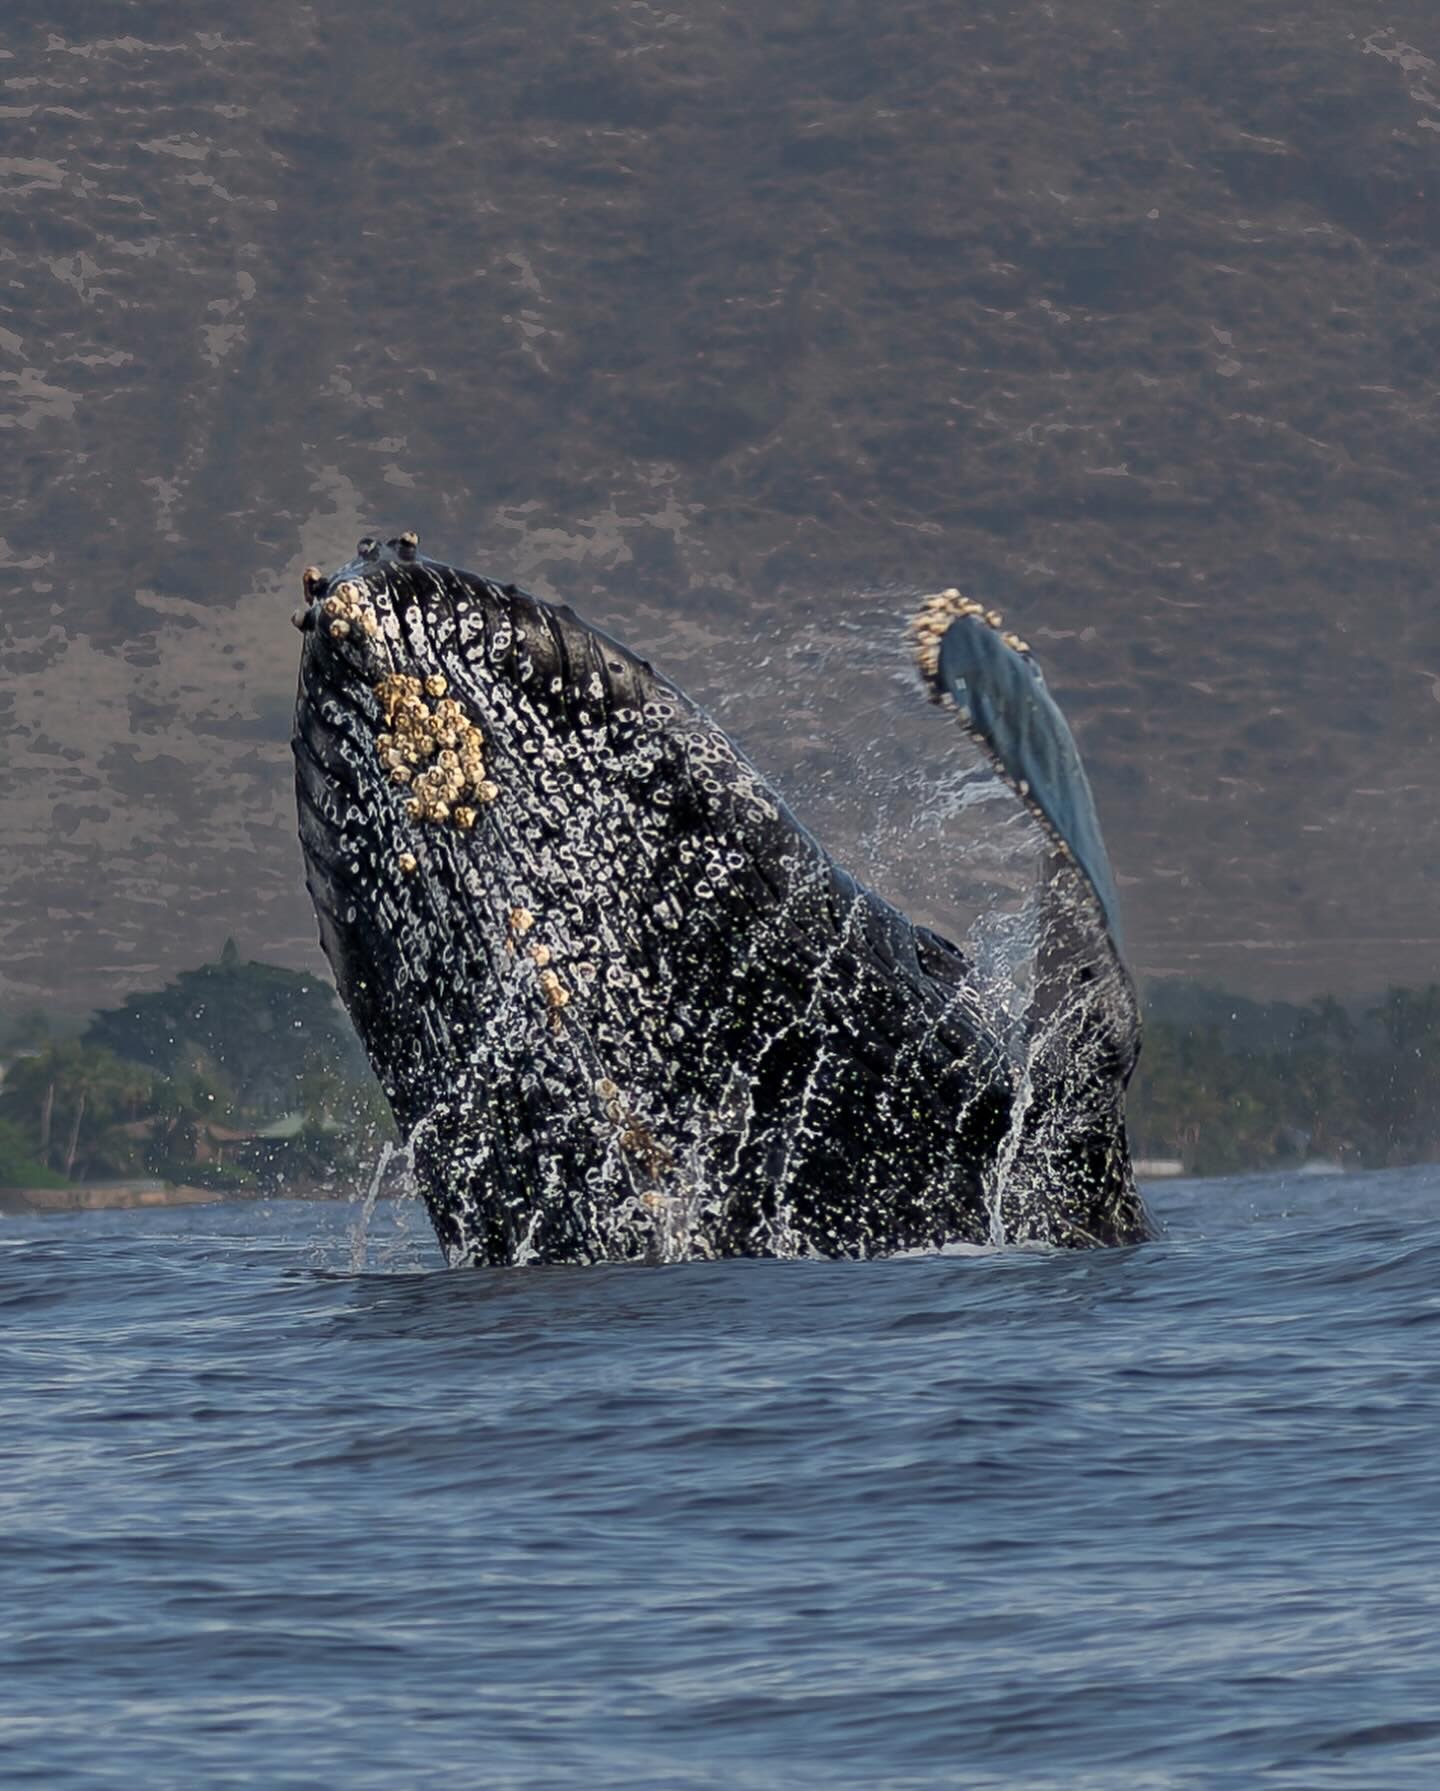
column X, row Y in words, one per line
column 555, row 992
column 518, row 923
column 432, row 745
column 635, row 1137
column 935, row 616
column 348, row 610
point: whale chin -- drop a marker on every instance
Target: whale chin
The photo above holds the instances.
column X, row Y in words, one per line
column 625, row 1007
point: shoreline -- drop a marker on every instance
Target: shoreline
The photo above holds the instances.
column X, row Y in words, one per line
column 94, row 1197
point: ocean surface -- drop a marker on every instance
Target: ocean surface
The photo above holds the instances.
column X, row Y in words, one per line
column 1153, row 1518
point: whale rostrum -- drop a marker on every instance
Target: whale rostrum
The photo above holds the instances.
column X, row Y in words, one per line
column 622, row 1003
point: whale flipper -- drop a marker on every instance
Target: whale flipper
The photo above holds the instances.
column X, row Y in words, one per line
column 1082, row 1039
column 1003, row 700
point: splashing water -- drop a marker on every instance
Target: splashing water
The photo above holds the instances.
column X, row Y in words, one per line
column 393, row 1174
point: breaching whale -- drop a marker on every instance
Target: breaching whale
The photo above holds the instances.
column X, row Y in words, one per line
column 625, row 1006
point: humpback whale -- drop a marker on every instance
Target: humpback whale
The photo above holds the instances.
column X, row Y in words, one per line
column 624, row 1006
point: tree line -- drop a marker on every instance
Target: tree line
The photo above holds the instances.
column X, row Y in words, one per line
column 241, row 1076
column 247, row 1076
column 1358, row 1086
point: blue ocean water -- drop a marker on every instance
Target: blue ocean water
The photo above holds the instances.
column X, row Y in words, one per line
column 1154, row 1518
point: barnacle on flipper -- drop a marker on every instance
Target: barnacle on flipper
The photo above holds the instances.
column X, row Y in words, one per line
column 931, row 622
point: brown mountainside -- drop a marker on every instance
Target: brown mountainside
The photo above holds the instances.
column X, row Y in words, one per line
column 721, row 320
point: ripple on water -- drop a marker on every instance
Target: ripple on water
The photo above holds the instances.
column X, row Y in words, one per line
column 1158, row 1517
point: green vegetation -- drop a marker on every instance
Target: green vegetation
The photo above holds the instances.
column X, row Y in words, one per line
column 1226, row 1084
column 236, row 1075
column 252, row 1028
column 18, row 1169
column 247, row 1076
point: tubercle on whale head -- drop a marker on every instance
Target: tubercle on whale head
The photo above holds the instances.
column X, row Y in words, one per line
column 393, row 779
column 390, row 751
column 374, row 619
column 440, row 721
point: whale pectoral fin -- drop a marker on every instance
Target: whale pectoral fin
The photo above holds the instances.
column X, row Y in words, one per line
column 1002, row 700
column 1082, row 1035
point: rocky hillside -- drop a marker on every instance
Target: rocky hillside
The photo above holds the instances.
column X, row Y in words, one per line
column 735, row 324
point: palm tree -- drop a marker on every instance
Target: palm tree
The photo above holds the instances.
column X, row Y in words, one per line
column 84, row 1085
